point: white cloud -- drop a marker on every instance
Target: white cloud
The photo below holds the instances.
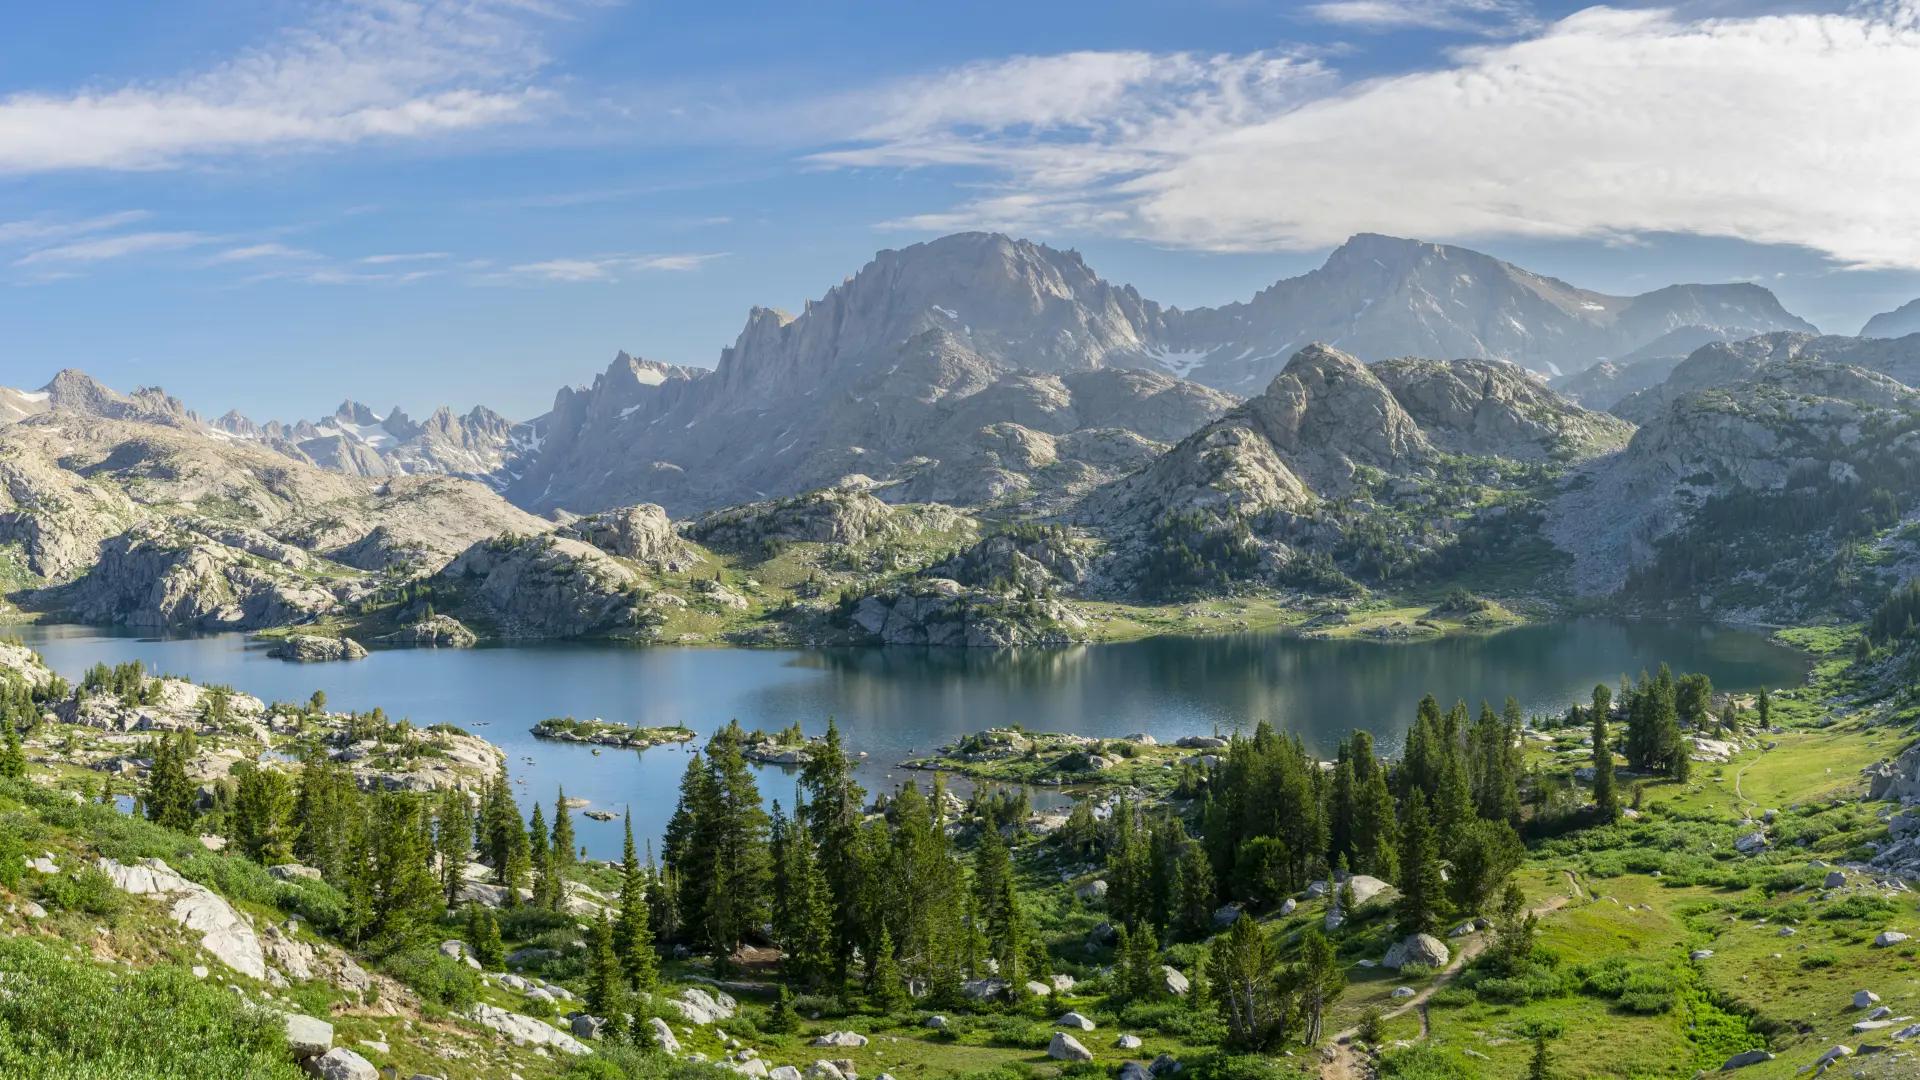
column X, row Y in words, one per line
column 258, row 252
column 360, row 70
column 120, row 246
column 1470, row 16
column 403, row 256
column 1787, row 129
column 603, row 268
column 43, row 230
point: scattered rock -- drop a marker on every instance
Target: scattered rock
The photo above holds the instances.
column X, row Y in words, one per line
column 1173, row 982
column 1077, row 1021
column 1745, row 1058
column 1065, row 1047
column 308, row 1036
column 341, row 1063
column 664, row 1038
column 1127, row 1042
column 848, row 1039
column 1887, row 938
column 1422, row 949
column 1865, row 999
column 1401, row 993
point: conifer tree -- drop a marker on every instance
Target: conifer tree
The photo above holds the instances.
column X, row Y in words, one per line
column 833, row 813
column 404, row 896
column 781, row 1019
column 633, row 934
column 452, row 839
column 1143, row 956
column 170, row 795
column 563, row 849
column 1241, row 970
column 1376, row 833
column 1320, row 981
column 546, row 881
column 1605, row 799
column 261, row 823
column 1196, row 892
column 1420, row 882
column 1541, row 1066
column 483, row 934
column 603, row 970
column 884, row 989
column 13, row 758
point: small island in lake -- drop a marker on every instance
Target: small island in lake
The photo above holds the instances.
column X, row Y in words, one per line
column 608, row 733
column 1013, row 755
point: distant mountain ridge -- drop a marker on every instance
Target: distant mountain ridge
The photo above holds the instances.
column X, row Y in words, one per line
column 1899, row 322
column 974, row 369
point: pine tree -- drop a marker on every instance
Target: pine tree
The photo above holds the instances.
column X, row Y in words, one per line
column 1321, row 979
column 1420, row 882
column 1541, row 1067
column 633, row 934
column 884, row 989
column 1241, row 969
column 603, row 970
column 13, row 758
column 170, row 796
column 1376, row 825
column 1196, row 891
column 1763, row 708
column 833, row 818
column 563, row 850
column 1605, row 798
column 546, row 881
column 781, row 1019
column 405, row 898
column 452, row 839
column 1143, row 956
column 261, row 824
column 483, row 933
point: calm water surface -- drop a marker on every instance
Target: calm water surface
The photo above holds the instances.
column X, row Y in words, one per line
column 893, row 702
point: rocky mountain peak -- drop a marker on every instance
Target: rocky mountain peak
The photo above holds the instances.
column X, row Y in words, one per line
column 1899, row 322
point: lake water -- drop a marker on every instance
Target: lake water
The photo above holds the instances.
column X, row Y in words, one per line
column 894, row 702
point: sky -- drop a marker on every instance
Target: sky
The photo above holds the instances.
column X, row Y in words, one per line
column 272, row 205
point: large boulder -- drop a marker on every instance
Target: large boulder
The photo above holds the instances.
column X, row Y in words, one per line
column 847, row 1039
column 1423, row 949
column 1065, row 1047
column 1074, row 1020
column 663, row 1036
column 341, row 1063
column 1172, row 981
column 308, row 1037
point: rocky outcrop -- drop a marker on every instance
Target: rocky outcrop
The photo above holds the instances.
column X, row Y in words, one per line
column 642, row 533
column 1491, row 409
column 525, row 1030
column 434, row 631
column 551, row 587
column 1785, row 425
column 1031, row 559
column 412, row 524
column 936, row 611
column 847, row 514
column 158, row 576
column 314, row 648
column 225, row 933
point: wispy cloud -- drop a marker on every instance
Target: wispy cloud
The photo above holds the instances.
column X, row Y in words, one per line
column 603, row 268
column 1489, row 17
column 1779, row 129
column 404, row 257
column 360, row 70
column 120, row 246
column 259, row 252
column 43, row 230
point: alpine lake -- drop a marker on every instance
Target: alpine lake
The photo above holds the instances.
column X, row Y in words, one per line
column 894, row 703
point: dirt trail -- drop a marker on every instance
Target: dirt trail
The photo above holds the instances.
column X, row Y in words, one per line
column 1343, row 1061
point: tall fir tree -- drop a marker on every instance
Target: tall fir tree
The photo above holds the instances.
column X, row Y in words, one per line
column 603, row 970
column 1606, row 800
column 633, row 933
column 1420, row 882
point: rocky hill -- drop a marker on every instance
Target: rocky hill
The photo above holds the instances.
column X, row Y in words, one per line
column 1731, row 362
column 1331, row 428
column 1379, row 297
column 1899, row 322
column 1763, row 463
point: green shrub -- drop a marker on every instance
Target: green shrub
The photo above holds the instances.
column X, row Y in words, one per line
column 83, row 889
column 438, row 979
column 1422, row 1063
column 63, row 1020
column 614, row 1062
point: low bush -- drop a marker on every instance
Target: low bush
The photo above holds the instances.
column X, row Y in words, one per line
column 61, row 1020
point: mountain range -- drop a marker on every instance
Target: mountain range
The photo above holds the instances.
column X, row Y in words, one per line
column 1008, row 380
column 976, row 369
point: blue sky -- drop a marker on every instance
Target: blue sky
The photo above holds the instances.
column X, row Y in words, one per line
column 274, row 204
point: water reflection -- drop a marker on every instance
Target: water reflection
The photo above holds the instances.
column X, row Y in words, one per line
column 895, row 702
